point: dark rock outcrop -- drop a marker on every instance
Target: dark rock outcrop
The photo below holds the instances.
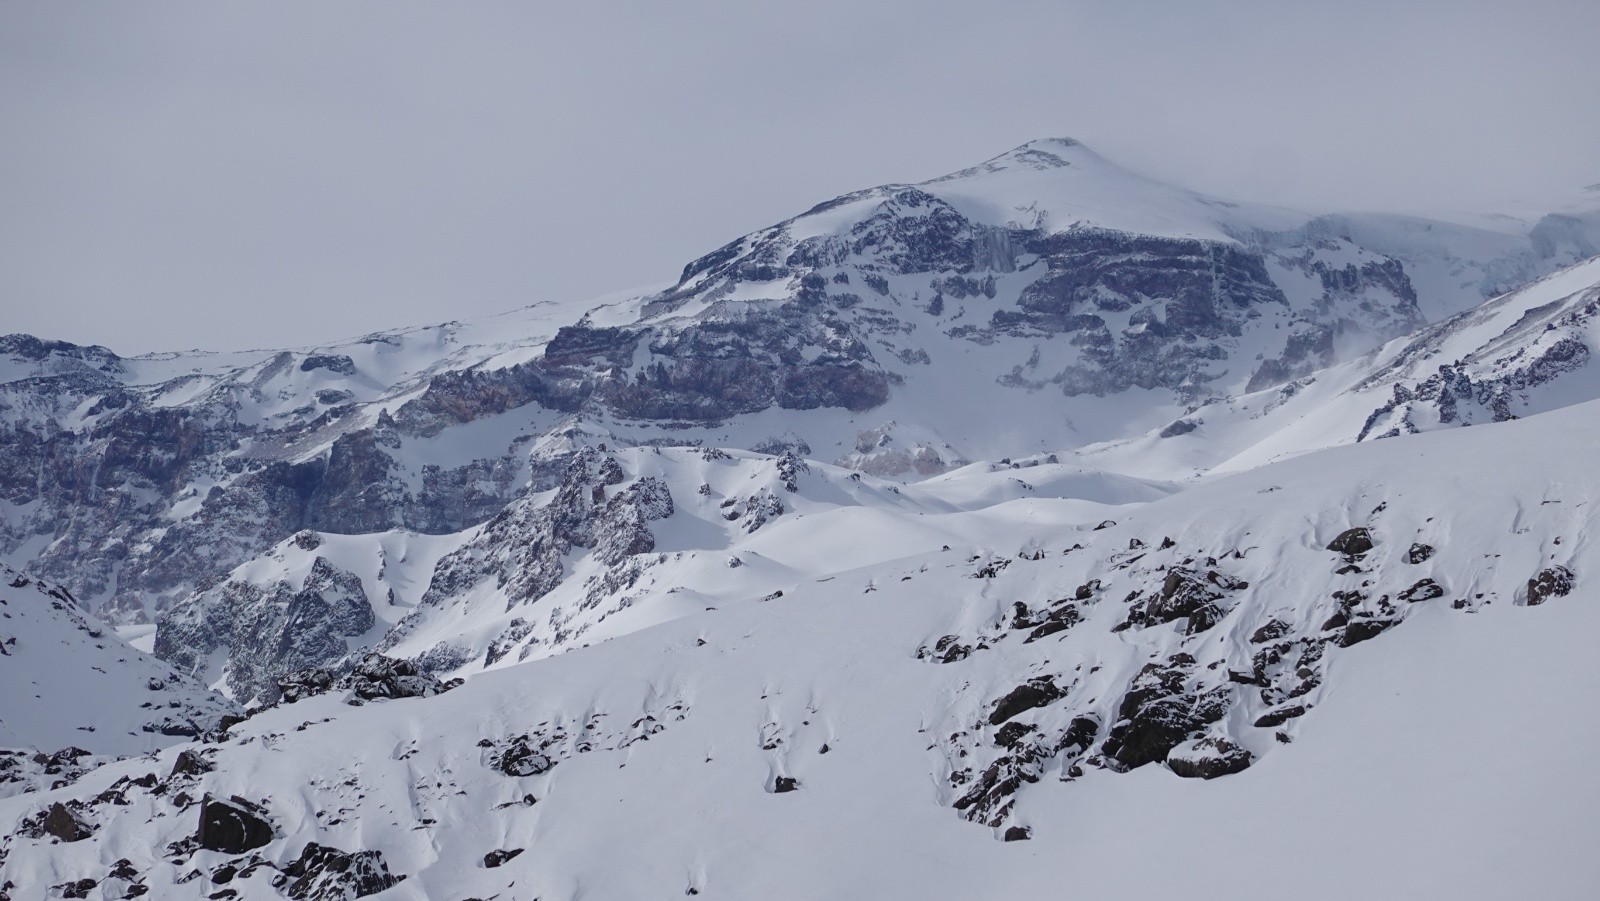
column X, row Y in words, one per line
column 1550, row 583
column 232, row 826
column 499, row 857
column 1030, row 694
column 378, row 677
column 303, row 683
column 1352, row 542
column 191, row 763
column 322, row 873
column 62, row 823
column 1419, row 553
column 1208, row 758
column 1159, row 712
column 1423, row 590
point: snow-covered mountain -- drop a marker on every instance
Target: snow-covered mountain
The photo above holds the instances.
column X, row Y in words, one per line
column 1374, row 653
column 982, row 508
column 1045, row 299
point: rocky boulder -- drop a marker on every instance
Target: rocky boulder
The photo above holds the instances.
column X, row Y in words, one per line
column 1208, row 758
column 232, row 826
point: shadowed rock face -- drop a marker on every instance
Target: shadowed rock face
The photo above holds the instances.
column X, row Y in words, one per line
column 267, row 633
column 525, row 549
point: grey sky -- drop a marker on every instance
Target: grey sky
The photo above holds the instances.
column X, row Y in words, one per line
column 263, row 174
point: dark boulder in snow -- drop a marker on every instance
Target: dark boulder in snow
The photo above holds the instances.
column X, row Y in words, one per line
column 233, row 826
column 499, row 856
column 784, row 784
column 1554, row 582
column 1419, row 553
column 1280, row 716
column 303, row 683
column 948, row 649
column 1208, row 758
column 1424, row 590
column 1360, row 630
column 523, row 756
column 191, row 763
column 1179, row 427
column 79, row 888
column 64, row 824
column 1352, row 542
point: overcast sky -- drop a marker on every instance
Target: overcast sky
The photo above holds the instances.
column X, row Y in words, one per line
column 233, row 175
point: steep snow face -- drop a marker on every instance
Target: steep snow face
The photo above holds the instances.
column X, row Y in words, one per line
column 70, row 682
column 1327, row 647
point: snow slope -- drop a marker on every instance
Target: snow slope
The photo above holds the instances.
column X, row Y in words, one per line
column 69, row 681
column 1441, row 752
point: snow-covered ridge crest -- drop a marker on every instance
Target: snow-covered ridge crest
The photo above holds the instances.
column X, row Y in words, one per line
column 1526, row 352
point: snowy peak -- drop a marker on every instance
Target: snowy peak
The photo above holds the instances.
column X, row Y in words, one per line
column 1058, row 184
column 1039, row 301
column 1039, row 155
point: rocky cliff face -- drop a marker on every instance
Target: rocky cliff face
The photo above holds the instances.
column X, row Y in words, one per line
column 525, row 552
column 267, row 632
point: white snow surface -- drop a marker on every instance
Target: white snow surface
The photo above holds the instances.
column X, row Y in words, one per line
column 67, row 680
column 1445, row 758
